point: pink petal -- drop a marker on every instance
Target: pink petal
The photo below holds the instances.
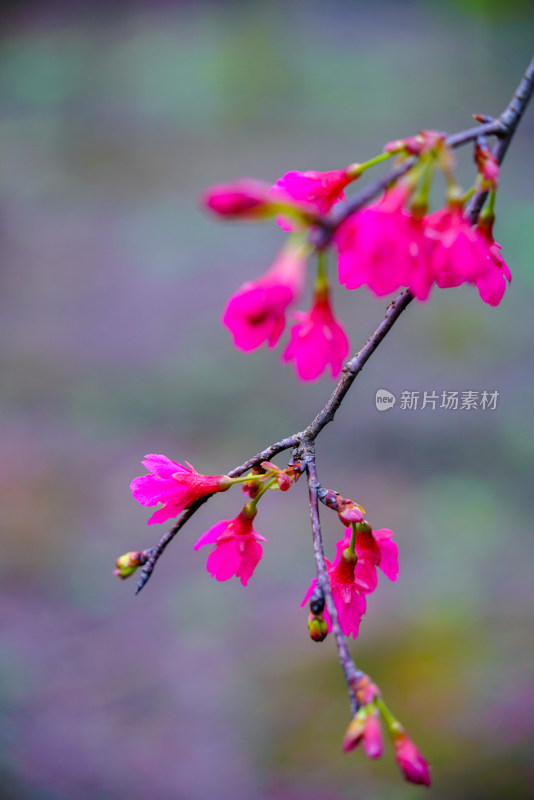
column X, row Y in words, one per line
column 250, row 558
column 150, row 490
column 309, row 592
column 389, row 553
column 162, row 466
column 213, row 533
column 224, row 561
column 168, row 511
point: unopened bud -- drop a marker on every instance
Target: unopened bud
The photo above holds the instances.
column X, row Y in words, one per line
column 127, row 564
column 317, row 602
column 413, row 766
column 351, row 512
column 356, row 729
column 317, row 627
column 246, row 198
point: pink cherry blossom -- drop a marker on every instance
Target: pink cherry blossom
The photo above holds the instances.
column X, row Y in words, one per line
column 384, row 247
column 346, row 592
column 492, row 284
column 237, row 548
column 173, row 485
column 412, row 764
column 374, row 549
column 317, row 341
column 459, row 252
column 318, row 190
column 255, row 314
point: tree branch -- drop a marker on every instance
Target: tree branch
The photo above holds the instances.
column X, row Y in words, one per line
column 351, row 672
column 504, row 127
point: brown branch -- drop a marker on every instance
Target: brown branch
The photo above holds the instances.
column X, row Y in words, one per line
column 351, row 672
column 504, row 127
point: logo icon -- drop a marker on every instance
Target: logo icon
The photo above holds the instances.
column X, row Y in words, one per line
column 384, row 400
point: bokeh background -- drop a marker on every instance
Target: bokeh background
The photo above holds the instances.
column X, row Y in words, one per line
column 114, row 118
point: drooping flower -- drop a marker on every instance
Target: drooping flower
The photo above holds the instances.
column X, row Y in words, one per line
column 384, row 247
column 374, row 549
column 414, row 767
column 317, row 341
column 237, row 547
column 352, row 577
column 492, row 284
column 346, row 592
column 255, row 314
column 459, row 252
column 174, row 486
column 319, row 190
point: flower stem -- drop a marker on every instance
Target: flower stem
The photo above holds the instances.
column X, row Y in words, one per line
column 264, row 488
column 355, row 170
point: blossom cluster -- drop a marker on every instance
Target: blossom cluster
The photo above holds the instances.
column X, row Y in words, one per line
column 365, row 728
column 388, row 245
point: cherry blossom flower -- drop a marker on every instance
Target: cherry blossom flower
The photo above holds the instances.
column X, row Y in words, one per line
column 412, row 764
column 237, row 548
column 347, row 593
column 256, row 313
column 374, row 549
column 317, row 341
column 459, row 252
column 351, row 579
column 318, row 190
column 384, row 247
column 174, row 486
column 492, row 284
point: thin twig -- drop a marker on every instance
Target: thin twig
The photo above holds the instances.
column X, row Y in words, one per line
column 351, row 672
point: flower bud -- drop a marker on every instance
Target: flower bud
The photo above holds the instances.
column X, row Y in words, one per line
column 127, row 564
column 246, row 198
column 317, row 627
column 317, row 602
column 372, row 736
column 365, row 727
column 350, row 512
column 411, row 763
column 355, row 731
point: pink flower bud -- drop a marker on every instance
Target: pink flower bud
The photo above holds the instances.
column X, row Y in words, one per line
column 411, row 763
column 372, row 736
column 245, row 198
column 350, row 513
column 354, row 732
column 364, row 727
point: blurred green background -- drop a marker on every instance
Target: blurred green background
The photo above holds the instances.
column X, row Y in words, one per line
column 114, row 119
